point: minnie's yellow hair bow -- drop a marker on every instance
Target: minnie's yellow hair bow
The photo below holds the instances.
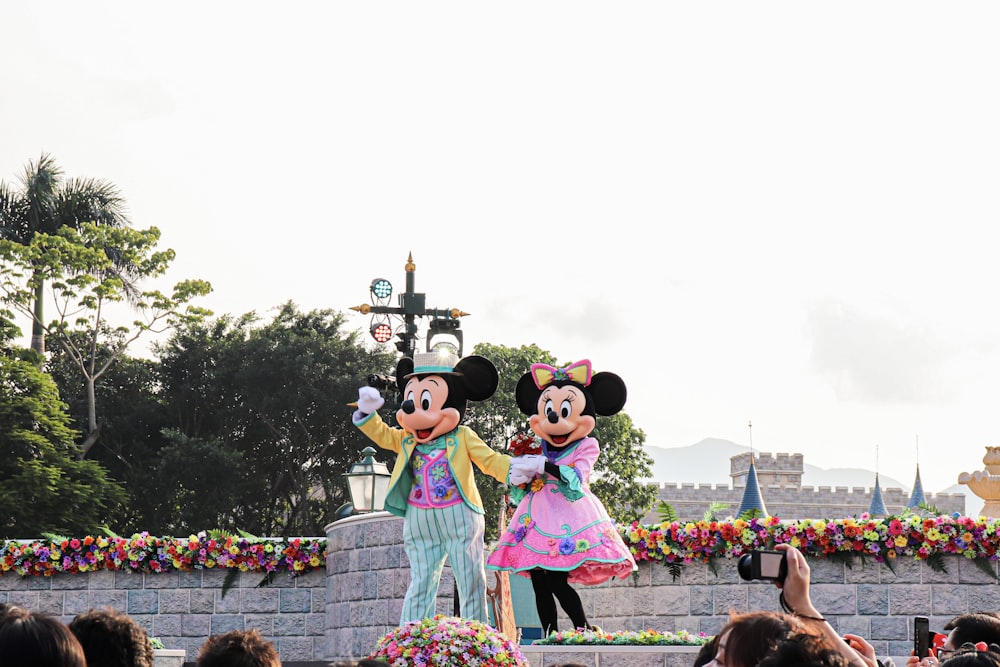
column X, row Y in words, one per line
column 544, row 375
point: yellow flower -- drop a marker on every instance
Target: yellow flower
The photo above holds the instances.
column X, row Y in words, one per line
column 901, row 540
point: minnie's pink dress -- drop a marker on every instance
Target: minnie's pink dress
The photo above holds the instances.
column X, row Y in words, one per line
column 561, row 525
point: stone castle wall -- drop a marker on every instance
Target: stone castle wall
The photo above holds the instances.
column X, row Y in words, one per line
column 184, row 608
column 369, row 574
column 806, row 502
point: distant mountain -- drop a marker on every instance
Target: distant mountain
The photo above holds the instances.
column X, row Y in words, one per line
column 707, row 462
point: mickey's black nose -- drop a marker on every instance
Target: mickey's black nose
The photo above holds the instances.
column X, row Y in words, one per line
column 408, row 407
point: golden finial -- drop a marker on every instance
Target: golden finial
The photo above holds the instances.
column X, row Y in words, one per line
column 410, row 266
column 456, row 313
column 364, row 308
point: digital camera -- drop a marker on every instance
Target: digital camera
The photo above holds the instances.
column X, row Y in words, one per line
column 763, row 564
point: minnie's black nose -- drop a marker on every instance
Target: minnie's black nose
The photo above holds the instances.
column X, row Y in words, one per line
column 408, row 407
column 553, row 417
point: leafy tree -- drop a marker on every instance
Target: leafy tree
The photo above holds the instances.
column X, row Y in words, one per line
column 79, row 268
column 132, row 421
column 623, row 461
column 43, row 204
column 268, row 400
column 44, row 487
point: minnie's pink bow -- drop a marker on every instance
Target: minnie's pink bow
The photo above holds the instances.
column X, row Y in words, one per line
column 544, row 375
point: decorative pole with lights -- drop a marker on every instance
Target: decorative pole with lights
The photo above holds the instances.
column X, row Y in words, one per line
column 411, row 306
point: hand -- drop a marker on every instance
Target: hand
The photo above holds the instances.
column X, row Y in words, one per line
column 369, row 400
column 862, row 648
column 534, row 463
column 516, row 477
column 796, row 585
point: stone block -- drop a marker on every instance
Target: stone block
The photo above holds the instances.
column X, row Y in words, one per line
column 167, row 625
column 729, row 598
column 143, row 602
column 39, row 583
column 161, row 580
column 68, row 582
column 201, row 601
column 671, row 601
column 873, row 600
column 189, row 579
column 369, row 585
column 228, row 602
column 127, row 580
column 909, row 599
column 13, row 582
column 51, row 602
column 289, row 624
column 175, row 601
column 196, row 625
column 972, row 571
column 259, row 600
column 890, row 627
column 702, row 602
column 116, row 599
column 292, row 600
column 834, row 599
column 262, row 623
column 295, row 648
column 76, row 602
column 948, row 599
column 226, row 623
column 984, row 598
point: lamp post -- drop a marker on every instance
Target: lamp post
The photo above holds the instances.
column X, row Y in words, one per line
column 445, row 323
column 368, row 482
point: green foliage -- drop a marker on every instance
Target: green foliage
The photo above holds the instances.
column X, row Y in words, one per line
column 666, row 512
column 79, row 266
column 267, row 402
column 44, row 487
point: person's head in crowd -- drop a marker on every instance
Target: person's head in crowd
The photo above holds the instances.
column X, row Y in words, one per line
column 37, row 640
column 5, row 607
column 804, row 650
column 975, row 655
column 239, row 648
column 706, row 653
column 969, row 629
column 112, row 639
column 747, row 638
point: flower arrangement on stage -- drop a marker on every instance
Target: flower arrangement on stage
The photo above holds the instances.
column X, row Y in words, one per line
column 883, row 539
column 448, row 640
column 624, row 638
column 144, row 553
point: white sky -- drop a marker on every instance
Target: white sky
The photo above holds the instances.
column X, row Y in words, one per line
column 781, row 212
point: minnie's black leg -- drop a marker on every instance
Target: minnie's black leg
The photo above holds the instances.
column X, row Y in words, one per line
column 544, row 602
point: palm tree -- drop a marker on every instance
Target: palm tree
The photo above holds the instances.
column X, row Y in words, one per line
column 44, row 203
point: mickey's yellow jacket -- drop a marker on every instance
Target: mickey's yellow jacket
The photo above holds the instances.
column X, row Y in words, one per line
column 464, row 447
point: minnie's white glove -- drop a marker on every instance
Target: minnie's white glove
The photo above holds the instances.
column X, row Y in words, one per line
column 530, row 465
column 369, row 400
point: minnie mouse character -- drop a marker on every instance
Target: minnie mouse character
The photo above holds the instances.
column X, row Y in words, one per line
column 560, row 533
column 432, row 484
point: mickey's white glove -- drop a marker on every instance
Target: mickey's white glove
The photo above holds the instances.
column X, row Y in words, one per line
column 516, row 477
column 369, row 400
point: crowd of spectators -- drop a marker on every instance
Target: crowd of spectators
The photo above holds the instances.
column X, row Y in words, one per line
column 799, row 637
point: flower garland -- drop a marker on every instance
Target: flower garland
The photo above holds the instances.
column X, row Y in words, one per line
column 625, row 637
column 447, row 640
column 144, row 553
column 884, row 539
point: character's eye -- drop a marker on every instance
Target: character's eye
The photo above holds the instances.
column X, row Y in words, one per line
column 566, row 409
column 426, row 400
column 547, row 408
column 409, row 396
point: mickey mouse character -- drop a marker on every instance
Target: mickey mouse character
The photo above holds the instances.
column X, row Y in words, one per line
column 432, row 484
column 560, row 533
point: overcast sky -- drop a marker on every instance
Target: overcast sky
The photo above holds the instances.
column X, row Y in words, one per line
column 779, row 212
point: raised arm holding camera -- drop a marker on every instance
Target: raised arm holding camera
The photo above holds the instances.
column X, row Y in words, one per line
column 795, row 599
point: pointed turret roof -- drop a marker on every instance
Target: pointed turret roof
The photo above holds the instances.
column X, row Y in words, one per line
column 751, row 493
column 917, row 497
column 877, row 507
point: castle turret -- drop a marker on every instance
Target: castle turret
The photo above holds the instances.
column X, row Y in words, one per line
column 917, row 497
column 752, row 500
column 877, row 507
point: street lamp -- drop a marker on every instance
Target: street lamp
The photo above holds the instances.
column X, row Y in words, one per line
column 368, row 482
column 411, row 306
